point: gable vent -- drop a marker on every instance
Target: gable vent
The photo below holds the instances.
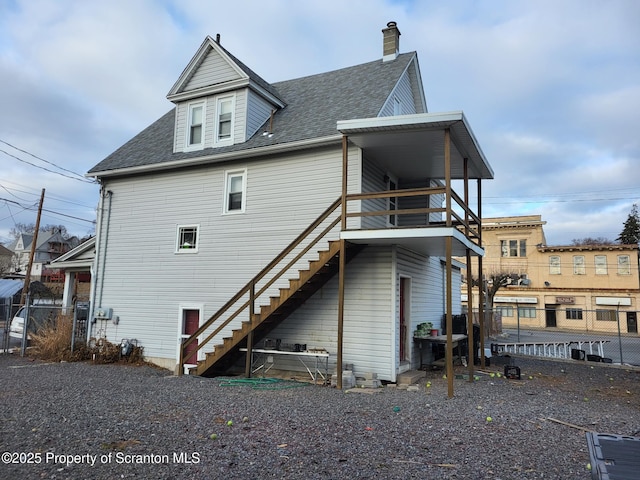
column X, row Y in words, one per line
column 390, row 42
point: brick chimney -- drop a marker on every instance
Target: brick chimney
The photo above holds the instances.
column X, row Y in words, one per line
column 390, row 42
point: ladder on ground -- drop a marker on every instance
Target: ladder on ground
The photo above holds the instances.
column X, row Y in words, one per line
column 548, row 349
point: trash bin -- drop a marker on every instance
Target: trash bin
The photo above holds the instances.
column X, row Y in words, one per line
column 577, row 354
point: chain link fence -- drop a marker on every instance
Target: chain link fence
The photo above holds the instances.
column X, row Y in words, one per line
column 607, row 335
column 20, row 322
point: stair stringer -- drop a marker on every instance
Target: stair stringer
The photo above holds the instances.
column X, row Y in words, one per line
column 270, row 316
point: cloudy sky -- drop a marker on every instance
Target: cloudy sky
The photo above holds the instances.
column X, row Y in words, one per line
column 551, row 90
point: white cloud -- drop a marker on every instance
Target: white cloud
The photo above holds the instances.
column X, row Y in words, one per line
column 552, row 89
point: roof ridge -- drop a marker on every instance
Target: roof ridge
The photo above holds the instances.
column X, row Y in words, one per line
column 314, row 103
column 251, row 73
column 343, row 69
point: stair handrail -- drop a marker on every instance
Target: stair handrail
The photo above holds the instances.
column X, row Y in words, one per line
column 251, row 284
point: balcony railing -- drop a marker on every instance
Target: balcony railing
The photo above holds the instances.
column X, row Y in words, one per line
column 458, row 215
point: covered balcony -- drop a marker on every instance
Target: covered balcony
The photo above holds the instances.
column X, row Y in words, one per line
column 418, row 159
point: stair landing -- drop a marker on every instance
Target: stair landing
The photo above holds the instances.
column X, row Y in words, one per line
column 411, row 377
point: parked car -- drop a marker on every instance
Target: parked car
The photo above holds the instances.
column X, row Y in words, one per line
column 39, row 317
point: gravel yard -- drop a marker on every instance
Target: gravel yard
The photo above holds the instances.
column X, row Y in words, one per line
column 81, row 421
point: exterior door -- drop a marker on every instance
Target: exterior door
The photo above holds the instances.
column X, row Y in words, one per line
column 190, row 323
column 632, row 322
column 550, row 315
column 403, row 329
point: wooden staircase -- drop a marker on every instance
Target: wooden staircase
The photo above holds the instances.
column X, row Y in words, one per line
column 255, row 323
column 279, row 308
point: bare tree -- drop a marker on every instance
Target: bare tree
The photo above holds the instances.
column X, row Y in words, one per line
column 491, row 283
column 592, row 241
column 29, row 228
column 5, row 264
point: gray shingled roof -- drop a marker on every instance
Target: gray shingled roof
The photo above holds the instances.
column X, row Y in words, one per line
column 313, row 106
column 257, row 79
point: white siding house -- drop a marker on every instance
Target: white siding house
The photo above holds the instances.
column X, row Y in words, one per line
column 198, row 209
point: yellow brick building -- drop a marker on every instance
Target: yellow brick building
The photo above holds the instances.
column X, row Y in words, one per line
column 572, row 287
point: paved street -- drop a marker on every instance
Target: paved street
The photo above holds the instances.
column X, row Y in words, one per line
column 628, row 346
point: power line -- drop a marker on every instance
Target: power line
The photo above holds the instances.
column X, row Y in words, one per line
column 6, row 200
column 542, row 201
column 69, row 216
column 13, row 194
column 46, row 169
column 50, row 196
column 46, row 161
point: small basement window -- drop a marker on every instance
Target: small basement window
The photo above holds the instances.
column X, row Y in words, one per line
column 187, row 241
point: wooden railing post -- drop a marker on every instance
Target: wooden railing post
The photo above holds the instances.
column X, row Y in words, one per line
column 252, row 299
column 340, row 313
column 181, row 360
column 342, row 260
column 447, row 174
column 466, row 197
column 449, row 319
column 481, row 278
column 470, row 337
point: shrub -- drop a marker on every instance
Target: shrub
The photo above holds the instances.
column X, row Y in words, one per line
column 53, row 343
column 102, row 351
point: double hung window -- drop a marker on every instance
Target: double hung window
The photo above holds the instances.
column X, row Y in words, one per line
column 195, row 125
column 209, row 115
column 601, row 264
column 624, row 265
column 235, row 191
column 224, row 124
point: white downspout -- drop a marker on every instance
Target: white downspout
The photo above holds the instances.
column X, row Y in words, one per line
column 96, row 261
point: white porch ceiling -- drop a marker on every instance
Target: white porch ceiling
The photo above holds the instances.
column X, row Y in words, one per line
column 413, row 145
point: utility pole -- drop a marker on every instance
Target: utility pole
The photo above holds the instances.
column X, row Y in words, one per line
column 27, row 277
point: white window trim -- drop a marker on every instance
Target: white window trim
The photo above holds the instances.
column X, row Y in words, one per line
column 601, row 267
column 624, row 265
column 227, row 182
column 187, row 133
column 227, row 141
column 187, row 250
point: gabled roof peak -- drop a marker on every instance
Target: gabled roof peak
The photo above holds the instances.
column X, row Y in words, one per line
column 233, row 74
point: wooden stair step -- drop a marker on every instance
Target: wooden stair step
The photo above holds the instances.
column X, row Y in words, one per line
column 278, row 308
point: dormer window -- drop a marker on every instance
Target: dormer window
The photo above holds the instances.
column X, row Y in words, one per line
column 195, row 127
column 224, row 123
